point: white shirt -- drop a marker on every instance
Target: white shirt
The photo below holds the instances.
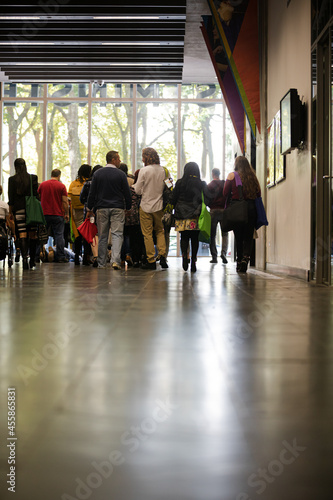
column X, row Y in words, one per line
column 4, row 209
column 150, row 185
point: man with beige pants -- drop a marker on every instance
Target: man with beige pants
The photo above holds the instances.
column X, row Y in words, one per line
column 150, row 185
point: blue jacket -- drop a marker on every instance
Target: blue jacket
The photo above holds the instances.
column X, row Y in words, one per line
column 109, row 189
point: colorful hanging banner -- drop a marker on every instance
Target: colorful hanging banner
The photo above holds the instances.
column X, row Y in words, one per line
column 236, row 22
column 225, row 78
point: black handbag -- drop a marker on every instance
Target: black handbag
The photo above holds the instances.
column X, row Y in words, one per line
column 236, row 214
column 167, row 192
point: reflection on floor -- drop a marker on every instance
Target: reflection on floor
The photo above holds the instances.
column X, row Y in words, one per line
column 144, row 385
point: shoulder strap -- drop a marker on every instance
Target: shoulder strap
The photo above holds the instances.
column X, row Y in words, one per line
column 237, row 179
column 167, row 175
column 239, row 185
column 30, row 185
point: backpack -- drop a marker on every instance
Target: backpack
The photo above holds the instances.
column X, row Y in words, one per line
column 75, row 195
column 167, row 192
column 3, row 243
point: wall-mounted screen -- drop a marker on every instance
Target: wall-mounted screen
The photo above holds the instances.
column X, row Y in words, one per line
column 292, row 126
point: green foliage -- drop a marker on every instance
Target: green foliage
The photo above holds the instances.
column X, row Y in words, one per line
column 112, row 122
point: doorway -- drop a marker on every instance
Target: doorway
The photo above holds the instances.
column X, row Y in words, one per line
column 322, row 171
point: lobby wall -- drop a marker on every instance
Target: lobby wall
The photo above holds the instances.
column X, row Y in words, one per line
column 288, row 203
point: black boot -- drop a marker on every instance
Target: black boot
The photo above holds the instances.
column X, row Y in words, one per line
column 86, row 254
column 244, row 264
column 18, row 253
column 24, row 244
column 32, row 252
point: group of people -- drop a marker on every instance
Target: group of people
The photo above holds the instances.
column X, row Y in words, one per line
column 129, row 212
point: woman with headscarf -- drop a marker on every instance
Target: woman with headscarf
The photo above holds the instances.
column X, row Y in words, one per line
column 187, row 200
column 74, row 191
column 18, row 189
column 83, row 199
column 251, row 190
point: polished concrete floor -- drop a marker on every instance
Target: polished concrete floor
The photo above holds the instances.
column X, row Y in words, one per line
column 144, row 385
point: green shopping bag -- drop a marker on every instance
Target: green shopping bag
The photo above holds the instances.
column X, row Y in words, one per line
column 33, row 209
column 204, row 223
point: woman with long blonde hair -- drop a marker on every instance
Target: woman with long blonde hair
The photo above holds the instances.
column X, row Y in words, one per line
column 251, row 190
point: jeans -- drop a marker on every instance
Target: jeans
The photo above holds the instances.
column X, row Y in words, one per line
column 57, row 223
column 216, row 218
column 107, row 218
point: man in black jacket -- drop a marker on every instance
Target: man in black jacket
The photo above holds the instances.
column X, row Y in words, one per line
column 216, row 210
column 109, row 195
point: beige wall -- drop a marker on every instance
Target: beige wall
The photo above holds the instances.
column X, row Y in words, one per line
column 288, row 203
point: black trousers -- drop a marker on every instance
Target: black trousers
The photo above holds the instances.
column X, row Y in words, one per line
column 185, row 237
column 244, row 234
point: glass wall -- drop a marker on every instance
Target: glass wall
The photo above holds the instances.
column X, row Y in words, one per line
column 111, row 130
column 22, row 137
column 67, row 138
column 64, row 125
column 202, row 129
column 157, row 127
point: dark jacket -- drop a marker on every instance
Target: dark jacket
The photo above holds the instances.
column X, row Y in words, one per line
column 187, row 199
column 17, row 201
column 84, row 196
column 109, row 189
column 216, row 189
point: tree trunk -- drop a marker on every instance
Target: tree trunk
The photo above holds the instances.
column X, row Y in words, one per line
column 74, row 154
column 39, row 149
column 182, row 150
column 206, row 145
column 50, row 141
column 13, row 127
column 12, row 132
column 142, row 115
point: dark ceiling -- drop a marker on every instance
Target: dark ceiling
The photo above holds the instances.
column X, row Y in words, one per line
column 75, row 40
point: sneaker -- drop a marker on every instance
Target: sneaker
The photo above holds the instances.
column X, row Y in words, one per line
column 17, row 255
column 213, row 261
column 149, row 265
column 116, row 267
column 163, row 263
column 224, row 260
